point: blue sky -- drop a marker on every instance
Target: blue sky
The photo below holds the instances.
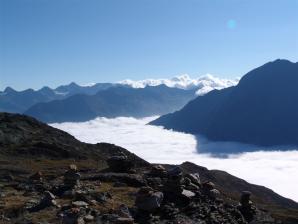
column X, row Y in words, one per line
column 53, row 42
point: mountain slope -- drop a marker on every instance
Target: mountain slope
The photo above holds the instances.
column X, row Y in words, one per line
column 113, row 102
column 28, row 145
column 262, row 109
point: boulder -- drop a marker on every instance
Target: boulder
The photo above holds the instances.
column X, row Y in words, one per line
column 158, row 171
column 195, row 178
column 148, row 200
column 188, row 194
column 175, row 172
column 79, row 204
column 120, row 163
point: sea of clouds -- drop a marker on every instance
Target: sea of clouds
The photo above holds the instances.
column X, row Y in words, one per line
column 274, row 169
column 204, row 84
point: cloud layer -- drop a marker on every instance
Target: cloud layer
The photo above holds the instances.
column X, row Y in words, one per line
column 275, row 169
column 204, row 83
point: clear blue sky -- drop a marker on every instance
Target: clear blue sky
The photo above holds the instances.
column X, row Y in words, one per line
column 52, row 42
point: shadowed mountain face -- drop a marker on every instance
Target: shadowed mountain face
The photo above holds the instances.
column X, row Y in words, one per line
column 113, row 102
column 262, row 109
column 19, row 101
column 27, row 145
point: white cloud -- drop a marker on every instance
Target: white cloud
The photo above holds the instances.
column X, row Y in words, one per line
column 204, row 83
column 275, row 169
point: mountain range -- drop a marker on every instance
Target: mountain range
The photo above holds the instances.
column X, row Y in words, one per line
column 19, row 101
column 113, row 102
column 262, row 109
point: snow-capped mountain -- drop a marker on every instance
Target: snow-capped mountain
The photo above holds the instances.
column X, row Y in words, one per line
column 203, row 84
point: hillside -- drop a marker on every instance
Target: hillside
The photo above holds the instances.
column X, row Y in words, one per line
column 262, row 109
column 111, row 185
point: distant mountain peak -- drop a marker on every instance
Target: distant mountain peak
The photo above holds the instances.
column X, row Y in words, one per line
column 9, row 90
column 203, row 84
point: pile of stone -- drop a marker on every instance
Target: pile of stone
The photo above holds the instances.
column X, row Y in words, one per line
column 120, row 163
column 246, row 206
column 36, row 177
column 158, row 171
column 182, row 186
column 147, row 200
column 36, row 182
column 72, row 177
column 208, row 189
column 47, row 201
column 174, row 184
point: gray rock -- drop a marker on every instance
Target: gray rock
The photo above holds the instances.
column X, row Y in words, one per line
column 195, row 178
column 174, row 172
column 148, row 200
column 122, row 220
column 80, row 204
column 120, row 163
column 88, row 218
column 214, row 193
column 188, row 194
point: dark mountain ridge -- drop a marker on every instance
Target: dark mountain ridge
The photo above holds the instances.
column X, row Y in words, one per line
column 113, row 102
column 262, row 109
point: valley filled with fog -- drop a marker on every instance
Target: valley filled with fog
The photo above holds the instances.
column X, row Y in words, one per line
column 157, row 145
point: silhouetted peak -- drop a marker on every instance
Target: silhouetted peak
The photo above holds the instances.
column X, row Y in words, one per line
column 9, row 90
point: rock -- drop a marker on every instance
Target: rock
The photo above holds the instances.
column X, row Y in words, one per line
column 245, row 198
column 89, row 218
column 47, row 201
column 29, row 205
column 36, row 177
column 120, row 163
column 147, row 200
column 49, row 196
column 158, row 171
column 72, row 177
column 214, row 194
column 174, row 185
column 80, row 204
column 122, row 220
column 102, row 197
column 8, row 177
column 246, row 206
column 188, row 194
column 73, row 216
column 195, row 178
column 123, row 211
column 189, row 185
column 175, row 172
column 208, row 186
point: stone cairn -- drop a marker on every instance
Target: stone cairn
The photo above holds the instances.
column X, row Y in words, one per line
column 174, row 185
column 208, row 188
column 72, row 177
column 147, row 200
column 37, row 182
column 246, row 206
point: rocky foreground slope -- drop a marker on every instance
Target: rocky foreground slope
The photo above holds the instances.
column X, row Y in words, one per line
column 47, row 176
